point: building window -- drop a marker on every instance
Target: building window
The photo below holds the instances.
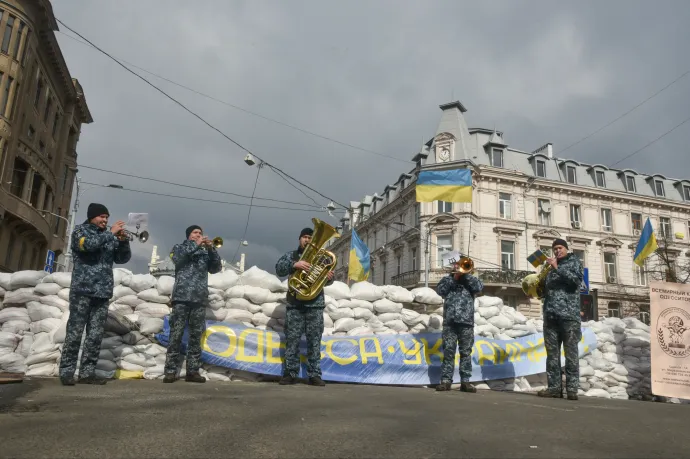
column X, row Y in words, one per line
column 444, row 206
column 56, row 232
column 614, row 309
column 31, row 133
column 22, row 250
column 644, row 313
column 546, row 250
column 544, row 212
column 18, row 41
column 7, row 37
column 575, row 215
column 46, row 114
column 636, row 220
column 65, row 175
column 19, row 175
column 665, row 227
column 496, row 157
column 541, row 168
column 10, row 250
column 444, row 244
column 606, row 220
column 399, row 261
column 417, row 214
column 640, row 275
column 414, row 259
column 571, row 174
column 376, row 232
column 39, row 91
column 383, row 267
column 508, row 255
column 600, row 178
column 6, row 96
column 630, row 184
column 35, row 188
column 610, row 267
column 505, row 205
column 41, row 147
column 579, row 253
column 686, row 192
column 56, row 121
column 659, row 188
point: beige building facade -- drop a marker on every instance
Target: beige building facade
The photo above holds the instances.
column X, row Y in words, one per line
column 521, row 201
column 42, row 109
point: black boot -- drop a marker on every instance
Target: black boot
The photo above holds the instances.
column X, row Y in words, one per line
column 550, row 393
column 194, row 377
column 467, row 387
column 68, row 381
column 92, row 380
column 316, row 381
column 572, row 396
column 169, row 378
column 443, row 387
column 287, row 380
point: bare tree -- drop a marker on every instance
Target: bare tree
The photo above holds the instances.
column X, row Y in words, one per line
column 668, row 263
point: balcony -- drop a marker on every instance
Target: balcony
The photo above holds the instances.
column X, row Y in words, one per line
column 490, row 277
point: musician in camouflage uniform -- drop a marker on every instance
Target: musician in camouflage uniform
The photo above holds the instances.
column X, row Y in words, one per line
column 194, row 259
column 94, row 250
column 458, row 291
column 302, row 317
column 562, row 321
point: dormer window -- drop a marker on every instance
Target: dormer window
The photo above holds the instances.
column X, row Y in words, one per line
column 496, row 157
column 686, row 192
column 541, row 168
column 571, row 174
column 630, row 184
column 600, row 179
column 659, row 188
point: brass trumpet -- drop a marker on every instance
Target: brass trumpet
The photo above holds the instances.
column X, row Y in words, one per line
column 125, row 235
column 216, row 243
column 463, row 266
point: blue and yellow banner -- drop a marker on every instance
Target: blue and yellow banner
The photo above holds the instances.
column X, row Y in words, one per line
column 374, row 359
column 359, row 263
column 453, row 185
column 647, row 244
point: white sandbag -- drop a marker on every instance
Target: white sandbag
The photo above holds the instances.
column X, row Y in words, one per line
column 374, row 323
column 635, row 332
column 39, row 311
column 12, row 363
column 64, row 294
column 260, row 319
column 397, row 325
column 58, row 335
column 275, row 310
column 344, row 303
column 327, row 321
column 387, row 317
column 435, row 321
column 242, row 303
column 125, row 365
column 64, row 280
column 14, row 314
column 633, row 341
column 529, row 327
column 56, row 301
column 487, row 331
column 218, row 315
column 616, row 324
column 359, row 331
column 2, row 293
column 122, row 276
column 362, row 313
column 223, row 280
column 165, row 285
column 24, row 346
column 141, row 359
column 488, row 312
column 419, row 328
column 151, row 295
column 338, row 290
column 330, row 300
column 5, row 279
column 260, row 295
column 9, row 340
column 636, row 324
column 21, row 279
column 426, row 295
column 140, row 282
column 601, row 364
column 410, row 317
column 150, row 325
column 216, row 304
column 357, row 303
column 42, row 343
column 119, row 308
column 346, row 324
column 514, row 333
column 586, row 371
column 236, row 291
column 20, row 296
column 339, row 313
column 384, row 331
column 597, row 393
column 384, row 306
column 366, row 291
column 16, row 326
column 502, row 337
column 399, row 294
column 478, row 319
column 257, row 277
column 111, row 342
column 489, row 301
column 239, row 314
column 152, row 310
column 154, row 372
column 45, row 325
column 106, row 365
column 515, row 316
column 47, row 289
column 501, row 321
column 42, row 357
column 42, row 370
column 120, row 291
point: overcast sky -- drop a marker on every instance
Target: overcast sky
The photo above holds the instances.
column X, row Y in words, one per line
column 368, row 73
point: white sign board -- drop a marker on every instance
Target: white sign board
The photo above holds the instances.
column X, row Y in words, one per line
column 448, row 258
column 670, row 339
column 140, row 221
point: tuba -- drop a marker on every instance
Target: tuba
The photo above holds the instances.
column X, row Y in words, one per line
column 305, row 285
column 533, row 284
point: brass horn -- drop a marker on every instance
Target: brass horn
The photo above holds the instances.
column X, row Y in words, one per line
column 217, row 242
column 463, row 266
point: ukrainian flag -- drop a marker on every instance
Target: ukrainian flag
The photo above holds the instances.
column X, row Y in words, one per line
column 359, row 259
column 646, row 245
column 451, row 186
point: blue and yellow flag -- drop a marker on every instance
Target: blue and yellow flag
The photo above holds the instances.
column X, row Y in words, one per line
column 537, row 258
column 646, row 245
column 358, row 270
column 450, row 186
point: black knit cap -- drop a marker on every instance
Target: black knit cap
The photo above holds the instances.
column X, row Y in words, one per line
column 306, row 232
column 192, row 228
column 559, row 242
column 96, row 210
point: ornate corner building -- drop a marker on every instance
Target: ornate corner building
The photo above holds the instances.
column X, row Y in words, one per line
column 42, row 109
column 521, row 201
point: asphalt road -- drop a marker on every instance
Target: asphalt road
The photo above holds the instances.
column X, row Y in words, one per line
column 149, row 419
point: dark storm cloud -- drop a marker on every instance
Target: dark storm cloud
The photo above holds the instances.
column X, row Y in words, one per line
column 370, row 74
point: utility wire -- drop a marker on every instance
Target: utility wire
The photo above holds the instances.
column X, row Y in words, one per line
column 628, row 112
column 184, row 107
column 194, row 199
column 249, row 213
column 249, row 112
column 293, row 185
column 195, row 187
column 650, row 143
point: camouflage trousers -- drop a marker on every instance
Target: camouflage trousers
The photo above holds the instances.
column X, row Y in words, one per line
column 299, row 321
column 568, row 333
column 89, row 312
column 193, row 316
column 458, row 336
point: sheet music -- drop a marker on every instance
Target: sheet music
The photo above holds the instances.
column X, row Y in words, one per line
column 134, row 219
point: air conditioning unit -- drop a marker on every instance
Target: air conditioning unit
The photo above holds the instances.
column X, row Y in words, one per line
column 577, row 225
column 611, row 280
column 636, row 232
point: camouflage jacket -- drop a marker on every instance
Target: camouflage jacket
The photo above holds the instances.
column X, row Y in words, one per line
column 562, row 289
column 284, row 267
column 93, row 253
column 192, row 264
column 458, row 296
